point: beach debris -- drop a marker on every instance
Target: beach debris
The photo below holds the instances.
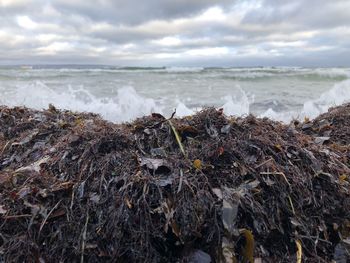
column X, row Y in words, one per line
column 204, row 188
column 199, row 256
column 321, row 140
column 333, row 124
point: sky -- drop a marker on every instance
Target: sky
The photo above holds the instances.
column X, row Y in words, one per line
column 176, row 32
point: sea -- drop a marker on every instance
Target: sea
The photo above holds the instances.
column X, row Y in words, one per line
column 122, row 94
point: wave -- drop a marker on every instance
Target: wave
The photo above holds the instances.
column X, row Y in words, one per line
column 337, row 95
column 184, row 69
column 239, row 104
column 295, row 72
column 333, row 72
column 182, row 110
column 225, row 73
column 125, row 106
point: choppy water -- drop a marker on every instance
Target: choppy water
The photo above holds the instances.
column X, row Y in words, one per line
column 122, row 94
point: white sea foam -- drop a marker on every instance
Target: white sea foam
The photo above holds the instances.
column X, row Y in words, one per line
column 239, row 104
column 182, row 110
column 337, row 95
column 332, row 72
column 127, row 105
column 234, row 105
column 264, row 72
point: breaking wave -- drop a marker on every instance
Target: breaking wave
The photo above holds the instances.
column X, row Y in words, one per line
column 337, row 95
column 125, row 103
column 295, row 72
column 125, row 106
column 239, row 104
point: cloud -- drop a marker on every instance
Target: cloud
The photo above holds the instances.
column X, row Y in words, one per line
column 26, row 23
column 168, row 32
column 135, row 11
column 301, row 13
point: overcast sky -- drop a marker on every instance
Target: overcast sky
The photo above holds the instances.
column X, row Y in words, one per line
column 176, row 32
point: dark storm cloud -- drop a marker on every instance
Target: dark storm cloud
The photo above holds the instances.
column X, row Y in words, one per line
column 169, row 32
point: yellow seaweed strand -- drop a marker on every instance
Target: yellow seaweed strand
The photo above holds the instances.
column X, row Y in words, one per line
column 178, row 138
column 299, row 251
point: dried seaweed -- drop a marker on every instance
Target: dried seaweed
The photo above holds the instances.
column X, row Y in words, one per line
column 205, row 188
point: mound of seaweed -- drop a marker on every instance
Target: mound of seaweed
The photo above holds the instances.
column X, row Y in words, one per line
column 205, row 188
column 330, row 127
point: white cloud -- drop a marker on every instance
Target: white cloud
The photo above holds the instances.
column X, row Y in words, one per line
column 12, row 3
column 47, row 38
column 167, row 56
column 167, row 41
column 212, row 14
column 215, row 51
column 26, row 23
column 55, row 48
column 288, row 43
column 11, row 40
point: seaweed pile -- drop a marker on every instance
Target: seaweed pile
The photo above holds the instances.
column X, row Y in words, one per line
column 330, row 127
column 205, row 188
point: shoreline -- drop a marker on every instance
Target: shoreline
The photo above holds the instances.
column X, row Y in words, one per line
column 205, row 187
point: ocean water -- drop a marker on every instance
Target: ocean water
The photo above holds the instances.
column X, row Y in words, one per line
column 123, row 94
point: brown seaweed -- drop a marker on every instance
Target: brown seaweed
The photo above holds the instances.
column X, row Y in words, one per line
column 205, row 188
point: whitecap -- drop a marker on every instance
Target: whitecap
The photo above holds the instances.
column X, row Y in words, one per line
column 337, row 95
column 125, row 106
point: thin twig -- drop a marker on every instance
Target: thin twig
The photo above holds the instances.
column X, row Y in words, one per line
column 4, row 148
column 84, row 236
column 16, row 216
column 291, row 204
column 43, row 223
column 264, row 162
column 159, row 123
column 316, row 238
